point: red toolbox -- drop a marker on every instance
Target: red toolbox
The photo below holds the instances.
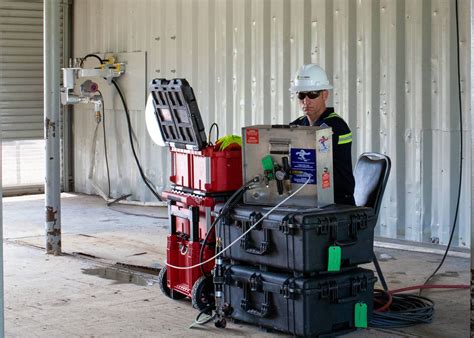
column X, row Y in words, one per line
column 191, row 214
column 188, row 282
column 190, row 220
column 207, row 170
column 186, row 253
column 196, row 165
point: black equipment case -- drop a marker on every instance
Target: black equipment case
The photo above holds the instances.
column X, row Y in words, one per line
column 301, row 240
column 301, row 306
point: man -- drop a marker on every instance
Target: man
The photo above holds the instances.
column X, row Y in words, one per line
column 311, row 88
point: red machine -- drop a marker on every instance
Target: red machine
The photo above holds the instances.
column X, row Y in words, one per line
column 202, row 176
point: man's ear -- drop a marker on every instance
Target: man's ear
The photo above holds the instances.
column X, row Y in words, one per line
column 325, row 95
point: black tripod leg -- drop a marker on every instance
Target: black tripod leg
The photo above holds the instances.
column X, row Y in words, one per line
column 379, row 273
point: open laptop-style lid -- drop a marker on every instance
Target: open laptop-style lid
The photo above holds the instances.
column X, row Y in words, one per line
column 177, row 114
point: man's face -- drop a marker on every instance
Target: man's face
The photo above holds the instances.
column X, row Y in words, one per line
column 313, row 103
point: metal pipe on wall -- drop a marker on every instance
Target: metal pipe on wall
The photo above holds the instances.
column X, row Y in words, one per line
column 67, row 149
column 51, row 54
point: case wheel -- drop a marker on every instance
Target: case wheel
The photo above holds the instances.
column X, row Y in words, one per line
column 227, row 309
column 220, row 323
column 163, row 283
column 202, row 294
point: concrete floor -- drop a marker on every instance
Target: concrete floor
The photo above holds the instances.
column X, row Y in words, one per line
column 83, row 293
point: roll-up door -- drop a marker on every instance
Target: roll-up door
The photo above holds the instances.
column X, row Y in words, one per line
column 21, row 93
column 21, row 69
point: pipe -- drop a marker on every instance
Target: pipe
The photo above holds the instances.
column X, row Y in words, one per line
column 51, row 54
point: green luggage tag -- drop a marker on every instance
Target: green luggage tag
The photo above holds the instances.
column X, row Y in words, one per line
column 334, row 258
column 360, row 315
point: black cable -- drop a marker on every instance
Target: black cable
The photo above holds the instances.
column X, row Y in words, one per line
column 91, row 56
column 379, row 272
column 404, row 310
column 461, row 150
column 129, row 123
column 136, row 214
column 210, row 130
column 233, row 199
column 222, row 212
column 105, row 144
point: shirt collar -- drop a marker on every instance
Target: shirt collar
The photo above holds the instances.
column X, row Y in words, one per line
column 323, row 116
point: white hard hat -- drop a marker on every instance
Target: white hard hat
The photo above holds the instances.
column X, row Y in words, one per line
column 310, row 77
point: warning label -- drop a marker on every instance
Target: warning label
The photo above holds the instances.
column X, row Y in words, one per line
column 251, row 136
column 303, row 165
column 326, row 179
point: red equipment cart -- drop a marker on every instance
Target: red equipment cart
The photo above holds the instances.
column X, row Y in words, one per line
column 201, row 176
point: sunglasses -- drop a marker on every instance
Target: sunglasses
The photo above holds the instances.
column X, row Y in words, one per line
column 311, row 95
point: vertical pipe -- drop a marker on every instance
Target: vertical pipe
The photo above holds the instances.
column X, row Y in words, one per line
column 67, row 164
column 51, row 126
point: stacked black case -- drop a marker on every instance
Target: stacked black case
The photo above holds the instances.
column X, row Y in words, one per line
column 296, row 240
column 302, row 306
column 278, row 274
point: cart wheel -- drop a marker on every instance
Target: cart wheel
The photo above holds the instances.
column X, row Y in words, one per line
column 220, row 323
column 202, row 294
column 163, row 283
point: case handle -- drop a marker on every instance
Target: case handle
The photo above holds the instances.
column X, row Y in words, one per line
column 352, row 234
column 261, row 249
column 261, row 313
column 357, row 222
column 264, row 309
column 357, row 286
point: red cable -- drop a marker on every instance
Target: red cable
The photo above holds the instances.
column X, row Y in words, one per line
column 389, row 293
column 430, row 286
column 387, row 305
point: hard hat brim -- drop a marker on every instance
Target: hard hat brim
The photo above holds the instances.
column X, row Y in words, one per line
column 296, row 89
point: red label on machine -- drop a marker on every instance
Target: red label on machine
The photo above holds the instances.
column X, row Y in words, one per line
column 251, row 136
column 326, row 179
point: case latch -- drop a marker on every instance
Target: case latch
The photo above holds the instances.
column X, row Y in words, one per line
column 254, row 217
column 287, row 225
column 331, row 291
column 255, row 282
column 323, row 227
column 327, row 225
column 358, row 285
column 287, row 290
column 358, row 221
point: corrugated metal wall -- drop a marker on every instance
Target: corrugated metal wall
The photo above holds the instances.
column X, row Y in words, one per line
column 393, row 65
column 472, row 149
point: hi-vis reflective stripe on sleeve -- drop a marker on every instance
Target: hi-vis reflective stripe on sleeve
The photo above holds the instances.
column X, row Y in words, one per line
column 331, row 116
column 346, row 138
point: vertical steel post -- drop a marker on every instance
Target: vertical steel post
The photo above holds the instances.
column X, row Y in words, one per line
column 51, row 126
